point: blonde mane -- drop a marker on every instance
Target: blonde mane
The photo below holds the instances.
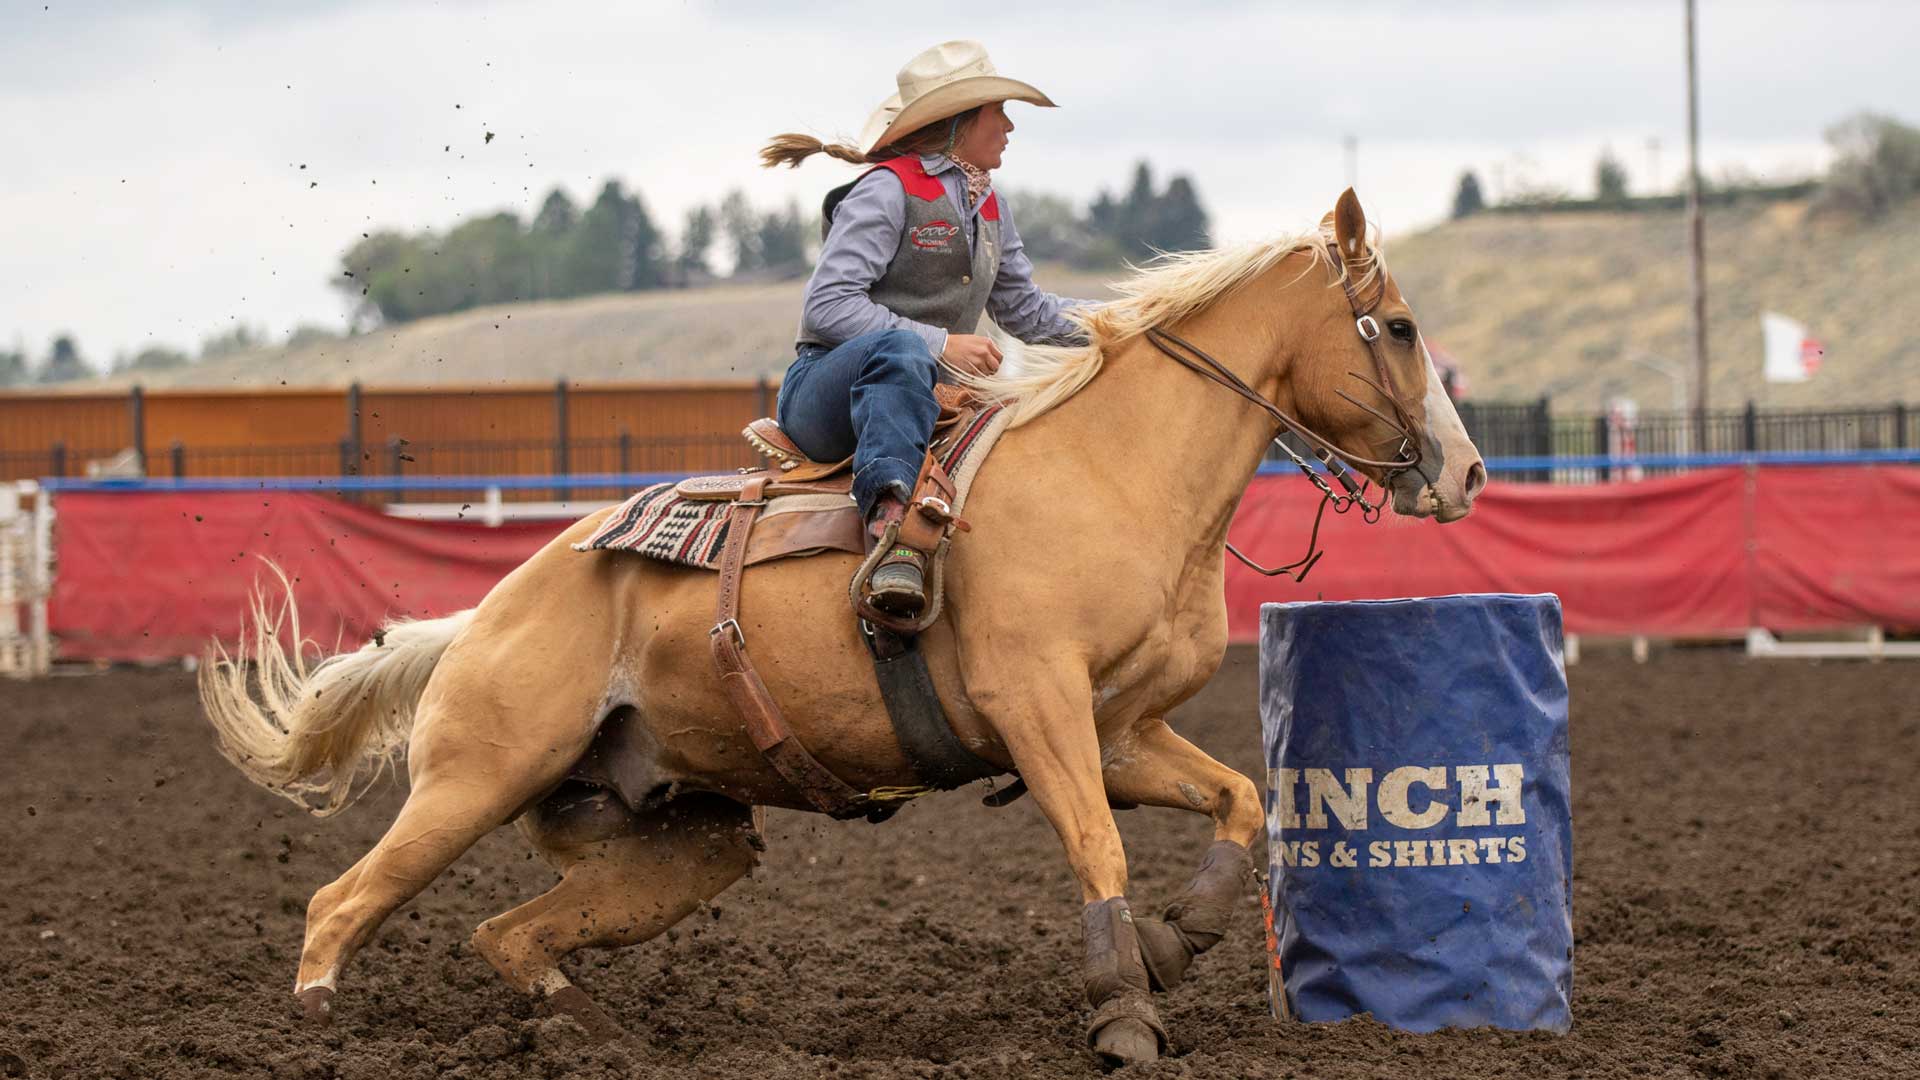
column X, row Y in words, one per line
column 1036, row 378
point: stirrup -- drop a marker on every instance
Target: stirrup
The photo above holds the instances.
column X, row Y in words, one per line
column 863, row 606
column 900, row 594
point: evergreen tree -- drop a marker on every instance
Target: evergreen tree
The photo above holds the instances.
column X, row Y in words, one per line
column 547, row 238
column 783, row 241
column 599, row 255
column 1146, row 222
column 1104, row 214
column 1468, row 200
column 557, row 215
column 1179, row 223
column 646, row 266
column 13, row 367
column 64, row 363
column 696, row 242
column 742, row 226
column 1137, row 211
column 1609, row 179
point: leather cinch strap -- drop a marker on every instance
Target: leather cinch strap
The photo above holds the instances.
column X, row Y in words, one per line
column 749, row 695
column 938, row 757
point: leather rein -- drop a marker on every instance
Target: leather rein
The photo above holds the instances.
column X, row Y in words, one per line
column 1331, row 457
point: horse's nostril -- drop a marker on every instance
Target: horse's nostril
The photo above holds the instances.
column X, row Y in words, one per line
column 1476, row 479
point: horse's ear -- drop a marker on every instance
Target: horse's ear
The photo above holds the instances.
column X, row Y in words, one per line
column 1349, row 225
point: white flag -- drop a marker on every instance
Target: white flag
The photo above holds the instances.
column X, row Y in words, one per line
column 1792, row 355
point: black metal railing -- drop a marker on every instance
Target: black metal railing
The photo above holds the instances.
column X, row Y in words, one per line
column 1532, row 430
column 1597, row 448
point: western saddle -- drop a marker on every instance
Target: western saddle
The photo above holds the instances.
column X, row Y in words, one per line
column 759, row 528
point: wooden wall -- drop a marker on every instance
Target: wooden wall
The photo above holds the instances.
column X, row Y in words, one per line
column 454, row 431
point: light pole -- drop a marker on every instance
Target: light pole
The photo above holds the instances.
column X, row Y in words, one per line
column 1697, row 234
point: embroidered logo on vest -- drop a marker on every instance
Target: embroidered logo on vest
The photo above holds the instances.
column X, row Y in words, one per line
column 934, row 236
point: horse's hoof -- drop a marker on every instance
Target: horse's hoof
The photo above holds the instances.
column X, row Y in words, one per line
column 316, row 1005
column 1165, row 952
column 1124, row 1042
column 573, row 1002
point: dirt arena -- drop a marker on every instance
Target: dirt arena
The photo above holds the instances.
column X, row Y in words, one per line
column 1747, row 857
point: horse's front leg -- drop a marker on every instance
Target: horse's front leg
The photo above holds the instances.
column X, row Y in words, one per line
column 1045, row 719
column 1155, row 767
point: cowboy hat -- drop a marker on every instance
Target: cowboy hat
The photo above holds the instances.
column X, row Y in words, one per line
column 944, row 81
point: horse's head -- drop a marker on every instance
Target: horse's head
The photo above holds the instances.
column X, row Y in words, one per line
column 1366, row 384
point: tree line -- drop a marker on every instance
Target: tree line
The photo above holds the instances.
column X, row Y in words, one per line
column 612, row 244
column 615, row 244
column 1114, row 229
column 63, row 361
column 1876, row 167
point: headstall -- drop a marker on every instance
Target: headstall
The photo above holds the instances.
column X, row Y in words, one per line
column 1332, row 458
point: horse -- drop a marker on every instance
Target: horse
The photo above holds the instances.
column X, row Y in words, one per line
column 1121, row 468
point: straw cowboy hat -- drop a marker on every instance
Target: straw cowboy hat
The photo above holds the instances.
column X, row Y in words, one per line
column 944, row 81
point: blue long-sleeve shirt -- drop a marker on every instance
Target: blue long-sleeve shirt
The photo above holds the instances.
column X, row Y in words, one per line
column 863, row 240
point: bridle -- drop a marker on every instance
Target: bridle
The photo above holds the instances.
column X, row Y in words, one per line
column 1332, row 458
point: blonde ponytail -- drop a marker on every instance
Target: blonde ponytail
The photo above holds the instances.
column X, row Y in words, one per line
column 791, row 149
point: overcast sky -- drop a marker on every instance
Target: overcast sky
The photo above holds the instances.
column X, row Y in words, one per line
column 169, row 168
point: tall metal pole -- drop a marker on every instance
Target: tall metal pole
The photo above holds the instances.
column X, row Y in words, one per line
column 1696, row 229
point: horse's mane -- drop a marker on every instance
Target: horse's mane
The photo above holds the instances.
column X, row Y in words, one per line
column 1036, row 378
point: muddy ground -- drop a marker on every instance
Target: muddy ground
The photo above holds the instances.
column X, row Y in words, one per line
column 1747, row 861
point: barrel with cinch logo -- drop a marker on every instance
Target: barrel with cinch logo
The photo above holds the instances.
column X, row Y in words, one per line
column 1418, row 818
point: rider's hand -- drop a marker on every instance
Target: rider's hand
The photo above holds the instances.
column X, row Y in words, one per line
column 972, row 353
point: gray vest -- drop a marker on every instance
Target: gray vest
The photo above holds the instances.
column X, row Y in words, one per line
column 933, row 278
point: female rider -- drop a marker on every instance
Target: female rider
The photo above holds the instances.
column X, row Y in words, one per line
column 916, row 249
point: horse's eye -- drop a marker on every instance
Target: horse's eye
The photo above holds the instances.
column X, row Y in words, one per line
column 1401, row 329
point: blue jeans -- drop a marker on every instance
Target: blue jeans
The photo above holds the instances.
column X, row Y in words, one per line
column 872, row 398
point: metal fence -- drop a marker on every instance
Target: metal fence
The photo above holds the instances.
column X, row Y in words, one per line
column 1530, row 436
column 1533, row 430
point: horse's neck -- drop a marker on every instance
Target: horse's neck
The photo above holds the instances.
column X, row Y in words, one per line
column 1179, row 448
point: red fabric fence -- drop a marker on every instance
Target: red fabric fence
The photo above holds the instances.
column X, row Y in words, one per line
column 156, row 575
column 1710, row 552
column 149, row 576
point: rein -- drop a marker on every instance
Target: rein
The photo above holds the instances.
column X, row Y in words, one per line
column 1354, row 493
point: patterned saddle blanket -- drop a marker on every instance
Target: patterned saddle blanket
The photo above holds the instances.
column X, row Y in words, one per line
column 809, row 509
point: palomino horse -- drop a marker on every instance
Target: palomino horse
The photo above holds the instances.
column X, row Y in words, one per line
column 1086, row 603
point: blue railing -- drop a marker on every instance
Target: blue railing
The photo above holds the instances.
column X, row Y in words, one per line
column 1705, row 461
column 625, row 481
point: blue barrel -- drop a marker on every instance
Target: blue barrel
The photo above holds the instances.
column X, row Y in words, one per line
column 1419, row 829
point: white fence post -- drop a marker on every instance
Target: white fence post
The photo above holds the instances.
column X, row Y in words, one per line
column 13, row 646
column 26, row 579
column 42, row 568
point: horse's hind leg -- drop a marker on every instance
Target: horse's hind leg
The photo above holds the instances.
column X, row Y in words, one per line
column 466, row 782
column 619, row 890
column 1162, row 769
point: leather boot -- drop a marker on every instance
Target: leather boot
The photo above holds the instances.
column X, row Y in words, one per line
column 898, row 585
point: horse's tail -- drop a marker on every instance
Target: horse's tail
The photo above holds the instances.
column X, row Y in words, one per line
column 319, row 737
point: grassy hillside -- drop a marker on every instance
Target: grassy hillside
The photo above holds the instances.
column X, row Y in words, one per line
column 1560, row 304
column 1556, row 304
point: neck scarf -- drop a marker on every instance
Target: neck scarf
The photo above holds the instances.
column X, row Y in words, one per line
column 978, row 180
